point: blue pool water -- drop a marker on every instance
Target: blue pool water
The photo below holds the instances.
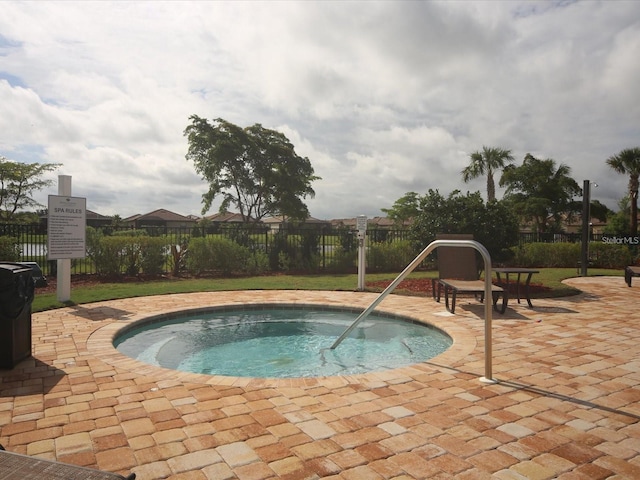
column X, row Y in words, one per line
column 281, row 342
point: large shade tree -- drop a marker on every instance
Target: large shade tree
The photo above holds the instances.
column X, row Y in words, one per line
column 18, row 182
column 253, row 169
column 540, row 192
column 627, row 162
column 487, row 162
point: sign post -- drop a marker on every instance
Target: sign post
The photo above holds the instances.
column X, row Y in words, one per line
column 66, row 233
column 586, row 203
column 361, row 225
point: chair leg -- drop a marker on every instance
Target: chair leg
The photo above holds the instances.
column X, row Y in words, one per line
column 436, row 287
column 452, row 307
column 505, row 301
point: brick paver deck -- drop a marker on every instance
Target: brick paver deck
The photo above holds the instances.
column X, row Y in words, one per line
column 566, row 403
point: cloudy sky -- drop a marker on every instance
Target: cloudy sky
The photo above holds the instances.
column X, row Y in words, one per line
column 383, row 97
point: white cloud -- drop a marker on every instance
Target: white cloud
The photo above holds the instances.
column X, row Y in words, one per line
column 382, row 97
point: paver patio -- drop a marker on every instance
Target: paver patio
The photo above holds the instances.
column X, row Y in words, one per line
column 566, row 405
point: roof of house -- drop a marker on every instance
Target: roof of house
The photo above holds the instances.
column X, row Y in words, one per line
column 160, row 214
column 226, row 217
column 96, row 216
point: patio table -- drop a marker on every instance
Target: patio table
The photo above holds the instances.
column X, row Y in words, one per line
column 519, row 272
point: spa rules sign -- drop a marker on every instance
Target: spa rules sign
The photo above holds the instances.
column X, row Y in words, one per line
column 66, row 227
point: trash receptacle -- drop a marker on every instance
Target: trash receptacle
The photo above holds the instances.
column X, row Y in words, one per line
column 16, row 297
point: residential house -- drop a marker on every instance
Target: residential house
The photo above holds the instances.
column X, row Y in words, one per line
column 226, row 218
column 276, row 224
column 96, row 220
column 159, row 218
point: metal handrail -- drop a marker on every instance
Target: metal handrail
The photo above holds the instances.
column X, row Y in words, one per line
column 416, row 261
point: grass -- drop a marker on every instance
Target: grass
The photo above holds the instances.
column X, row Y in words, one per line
column 548, row 277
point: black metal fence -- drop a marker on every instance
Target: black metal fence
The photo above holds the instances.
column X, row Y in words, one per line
column 324, row 244
column 535, row 237
column 332, row 249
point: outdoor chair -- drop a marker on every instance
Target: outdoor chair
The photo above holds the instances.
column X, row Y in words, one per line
column 24, row 467
column 458, row 273
column 631, row 272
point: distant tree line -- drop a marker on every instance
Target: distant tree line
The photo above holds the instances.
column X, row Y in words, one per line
column 538, row 192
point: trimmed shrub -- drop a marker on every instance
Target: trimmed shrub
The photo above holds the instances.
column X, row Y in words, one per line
column 126, row 252
column 153, row 254
column 9, row 249
column 343, row 261
column 547, row 255
column 390, row 257
column 216, row 254
column 567, row 255
column 110, row 256
column 605, row 255
column 257, row 263
column 295, row 252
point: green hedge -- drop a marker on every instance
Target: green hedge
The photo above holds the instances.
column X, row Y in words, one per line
column 567, row 255
column 9, row 249
column 153, row 254
column 604, row 255
column 298, row 252
column 343, row 260
column 390, row 257
column 126, row 254
column 215, row 254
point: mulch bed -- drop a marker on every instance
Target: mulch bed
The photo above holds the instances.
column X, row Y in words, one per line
column 416, row 286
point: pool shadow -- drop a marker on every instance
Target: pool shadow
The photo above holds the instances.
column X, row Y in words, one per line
column 514, row 311
column 532, row 389
column 31, row 376
column 478, row 310
column 100, row 313
column 552, row 310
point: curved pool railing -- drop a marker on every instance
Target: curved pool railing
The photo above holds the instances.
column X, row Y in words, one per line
column 488, row 378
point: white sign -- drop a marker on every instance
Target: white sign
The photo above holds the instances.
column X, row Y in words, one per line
column 361, row 223
column 66, row 225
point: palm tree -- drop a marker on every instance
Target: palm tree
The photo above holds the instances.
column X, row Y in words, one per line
column 627, row 162
column 487, row 162
column 539, row 190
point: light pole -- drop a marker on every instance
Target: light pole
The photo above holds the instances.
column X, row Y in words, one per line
column 586, row 225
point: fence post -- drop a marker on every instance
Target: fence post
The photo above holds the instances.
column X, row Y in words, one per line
column 585, row 227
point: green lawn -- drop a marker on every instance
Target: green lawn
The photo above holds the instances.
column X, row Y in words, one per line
column 548, row 277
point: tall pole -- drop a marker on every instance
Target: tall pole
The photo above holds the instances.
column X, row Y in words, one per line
column 64, row 265
column 586, row 213
column 361, row 224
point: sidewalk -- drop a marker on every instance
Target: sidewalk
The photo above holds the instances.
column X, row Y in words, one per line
column 566, row 405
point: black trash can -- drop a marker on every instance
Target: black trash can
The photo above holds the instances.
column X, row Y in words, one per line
column 16, row 296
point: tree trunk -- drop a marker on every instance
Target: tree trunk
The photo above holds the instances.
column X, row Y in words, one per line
column 491, row 187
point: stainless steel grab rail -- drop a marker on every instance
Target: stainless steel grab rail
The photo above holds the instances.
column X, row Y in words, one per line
column 416, row 261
